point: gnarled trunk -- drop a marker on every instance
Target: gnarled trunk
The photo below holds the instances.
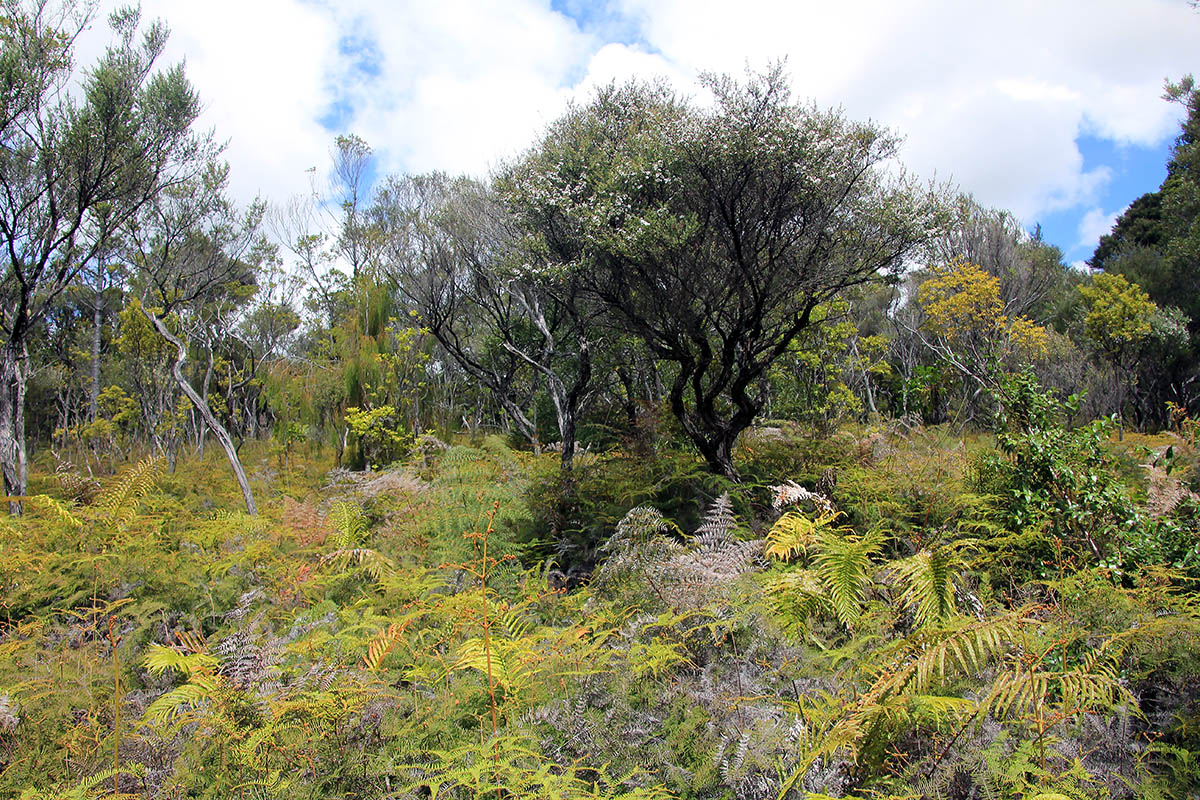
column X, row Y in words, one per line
column 222, row 435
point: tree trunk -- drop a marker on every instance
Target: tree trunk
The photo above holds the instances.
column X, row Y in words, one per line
column 222, row 435
column 97, row 321
column 201, row 428
column 12, row 424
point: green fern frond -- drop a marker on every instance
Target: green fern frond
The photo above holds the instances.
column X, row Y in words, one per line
column 795, row 597
column 168, row 707
column 119, row 502
column 87, row 787
column 904, row 680
column 845, row 566
column 928, row 582
column 349, row 525
column 509, row 663
column 375, row 564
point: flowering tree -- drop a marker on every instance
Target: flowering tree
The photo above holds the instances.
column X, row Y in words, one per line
column 1119, row 319
column 714, row 234
column 965, row 325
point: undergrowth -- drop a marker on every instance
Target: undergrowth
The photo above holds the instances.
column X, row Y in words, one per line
column 884, row 613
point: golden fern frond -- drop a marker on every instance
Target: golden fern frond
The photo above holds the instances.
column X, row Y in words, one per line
column 1089, row 687
column 56, row 508
column 349, row 525
column 160, row 659
column 794, row 533
column 385, row 641
column 928, row 582
column 241, row 522
column 118, row 503
column 844, row 564
column 962, row 649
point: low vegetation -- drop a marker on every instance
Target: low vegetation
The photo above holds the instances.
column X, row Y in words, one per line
column 947, row 616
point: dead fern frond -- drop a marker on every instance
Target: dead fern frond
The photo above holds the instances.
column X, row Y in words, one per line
column 718, row 521
column 791, row 493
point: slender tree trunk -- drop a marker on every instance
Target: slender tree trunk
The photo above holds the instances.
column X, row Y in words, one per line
column 214, row 425
column 97, row 321
column 13, row 375
column 201, row 429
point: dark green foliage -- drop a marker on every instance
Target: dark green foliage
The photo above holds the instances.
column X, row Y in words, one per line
column 1065, row 480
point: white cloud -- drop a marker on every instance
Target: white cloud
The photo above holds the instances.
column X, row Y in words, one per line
column 260, row 68
column 991, row 95
column 1094, row 224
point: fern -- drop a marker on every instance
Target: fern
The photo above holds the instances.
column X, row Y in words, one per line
column 791, row 493
column 119, row 502
column 795, row 597
column 349, row 525
column 379, row 647
column 718, row 521
column 794, row 533
column 928, row 582
column 57, row 508
column 1091, row 686
column 845, row 566
column 86, row 787
column 160, row 659
column 168, row 707
column 901, row 689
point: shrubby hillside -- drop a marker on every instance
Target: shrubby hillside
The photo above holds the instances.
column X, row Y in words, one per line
column 699, row 451
column 885, row 612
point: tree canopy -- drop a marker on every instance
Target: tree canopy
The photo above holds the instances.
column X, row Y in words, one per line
column 714, row 233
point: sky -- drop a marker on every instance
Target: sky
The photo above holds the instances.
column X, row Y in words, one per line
column 1048, row 108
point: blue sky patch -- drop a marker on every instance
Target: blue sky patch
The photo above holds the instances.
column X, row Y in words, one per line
column 1134, row 171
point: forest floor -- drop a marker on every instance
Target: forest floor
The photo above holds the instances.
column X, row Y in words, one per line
column 860, row 616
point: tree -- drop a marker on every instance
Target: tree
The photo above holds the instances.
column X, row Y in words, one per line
column 1140, row 225
column 73, row 170
column 1156, row 241
column 714, row 234
column 1032, row 279
column 195, row 253
column 1119, row 318
column 457, row 252
column 965, row 324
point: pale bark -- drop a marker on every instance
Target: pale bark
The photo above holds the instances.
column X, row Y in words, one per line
column 13, row 376
column 222, row 435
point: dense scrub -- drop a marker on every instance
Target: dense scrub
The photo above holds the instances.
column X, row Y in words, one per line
column 883, row 612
